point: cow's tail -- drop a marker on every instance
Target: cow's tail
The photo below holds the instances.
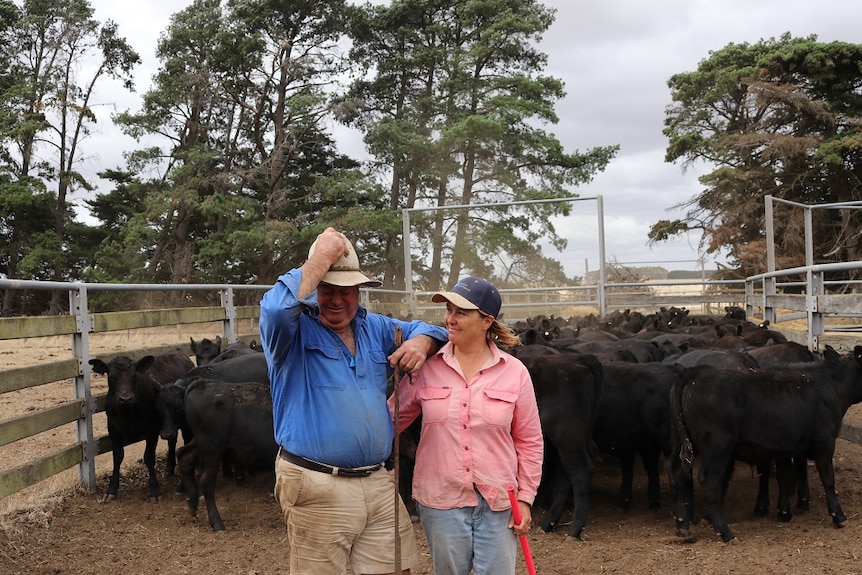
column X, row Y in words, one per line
column 681, row 445
column 592, row 363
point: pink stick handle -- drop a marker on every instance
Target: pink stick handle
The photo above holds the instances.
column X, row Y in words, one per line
column 525, row 544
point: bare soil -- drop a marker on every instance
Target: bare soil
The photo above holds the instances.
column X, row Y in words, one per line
column 57, row 528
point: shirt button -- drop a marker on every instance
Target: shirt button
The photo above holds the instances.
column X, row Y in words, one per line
column 465, row 427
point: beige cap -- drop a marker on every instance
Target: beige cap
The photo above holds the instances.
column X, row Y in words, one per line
column 345, row 272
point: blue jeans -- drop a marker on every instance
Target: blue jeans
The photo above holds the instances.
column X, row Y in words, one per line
column 470, row 537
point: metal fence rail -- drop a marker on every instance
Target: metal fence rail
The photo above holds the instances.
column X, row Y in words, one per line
column 804, row 293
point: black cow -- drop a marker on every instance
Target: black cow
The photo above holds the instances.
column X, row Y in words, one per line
column 634, row 419
column 763, row 336
column 246, row 367
column 756, row 416
column 226, row 419
column 644, row 351
column 171, row 405
column 237, row 349
column 205, row 350
column 729, row 358
column 209, row 351
column 567, row 392
column 130, row 407
column 171, row 398
column 778, row 354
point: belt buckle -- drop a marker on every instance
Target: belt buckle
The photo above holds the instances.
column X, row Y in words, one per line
column 355, row 472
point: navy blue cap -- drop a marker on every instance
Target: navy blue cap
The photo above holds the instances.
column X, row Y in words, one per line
column 472, row 293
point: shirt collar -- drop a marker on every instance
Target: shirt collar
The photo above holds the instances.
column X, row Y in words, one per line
column 448, row 351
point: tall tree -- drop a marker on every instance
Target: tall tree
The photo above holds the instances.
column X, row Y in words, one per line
column 60, row 55
column 454, row 105
column 240, row 102
column 781, row 117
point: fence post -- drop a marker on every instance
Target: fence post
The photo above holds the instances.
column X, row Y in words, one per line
column 229, row 323
column 78, row 306
column 816, row 322
column 769, row 313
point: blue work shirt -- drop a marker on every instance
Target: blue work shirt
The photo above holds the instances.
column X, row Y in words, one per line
column 327, row 405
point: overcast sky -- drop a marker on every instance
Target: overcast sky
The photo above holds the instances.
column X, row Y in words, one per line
column 615, row 57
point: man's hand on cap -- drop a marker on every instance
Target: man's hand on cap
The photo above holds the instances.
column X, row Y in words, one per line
column 332, row 244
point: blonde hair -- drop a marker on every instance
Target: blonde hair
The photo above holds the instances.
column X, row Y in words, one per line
column 502, row 334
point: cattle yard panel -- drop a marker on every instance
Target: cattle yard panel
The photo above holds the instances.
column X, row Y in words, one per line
column 80, row 324
column 827, row 306
column 761, row 293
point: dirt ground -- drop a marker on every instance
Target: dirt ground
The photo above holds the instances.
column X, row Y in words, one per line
column 55, row 528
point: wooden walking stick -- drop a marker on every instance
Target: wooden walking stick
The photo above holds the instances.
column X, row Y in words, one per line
column 396, row 453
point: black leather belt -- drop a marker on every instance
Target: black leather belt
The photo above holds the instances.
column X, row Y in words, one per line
column 323, row 468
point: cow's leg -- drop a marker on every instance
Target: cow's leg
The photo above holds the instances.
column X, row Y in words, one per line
column 683, row 495
column 761, row 504
column 725, row 479
column 827, row 477
column 803, row 491
column 209, row 468
column 650, row 460
column 117, row 450
column 578, row 467
column 150, row 461
column 714, row 472
column 187, row 438
column 561, row 489
column 627, row 466
column 171, row 462
column 187, row 460
column 786, row 474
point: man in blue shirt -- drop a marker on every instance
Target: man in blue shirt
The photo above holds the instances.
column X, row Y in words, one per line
column 329, row 360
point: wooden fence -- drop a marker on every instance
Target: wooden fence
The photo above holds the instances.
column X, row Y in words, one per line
column 79, row 325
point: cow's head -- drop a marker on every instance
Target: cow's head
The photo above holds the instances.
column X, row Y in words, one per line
column 122, row 372
column 170, row 403
column 205, row 350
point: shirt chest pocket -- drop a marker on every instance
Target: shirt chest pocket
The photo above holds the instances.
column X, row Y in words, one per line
column 498, row 407
column 379, row 366
column 325, row 369
column 435, row 404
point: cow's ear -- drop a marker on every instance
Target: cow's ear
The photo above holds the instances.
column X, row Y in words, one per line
column 218, row 341
column 99, row 366
column 829, row 353
column 145, row 363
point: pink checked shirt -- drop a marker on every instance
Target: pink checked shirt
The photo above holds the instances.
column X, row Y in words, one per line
column 485, row 431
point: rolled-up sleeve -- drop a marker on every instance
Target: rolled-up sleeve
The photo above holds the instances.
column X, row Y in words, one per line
column 279, row 315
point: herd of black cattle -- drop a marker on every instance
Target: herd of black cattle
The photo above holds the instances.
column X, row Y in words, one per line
column 692, row 393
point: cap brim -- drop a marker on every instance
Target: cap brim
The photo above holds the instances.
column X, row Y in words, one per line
column 349, row 279
column 453, row 298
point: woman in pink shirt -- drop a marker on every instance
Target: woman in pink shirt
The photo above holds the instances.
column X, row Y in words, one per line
column 480, row 434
